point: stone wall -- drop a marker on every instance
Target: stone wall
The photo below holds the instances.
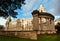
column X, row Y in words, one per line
column 20, row 34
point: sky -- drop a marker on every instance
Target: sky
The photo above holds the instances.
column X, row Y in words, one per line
column 52, row 6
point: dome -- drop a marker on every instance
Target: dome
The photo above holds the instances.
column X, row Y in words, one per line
column 45, row 14
column 42, row 13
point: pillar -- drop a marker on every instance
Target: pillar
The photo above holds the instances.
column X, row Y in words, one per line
column 48, row 26
column 35, row 22
column 19, row 25
column 53, row 27
column 7, row 26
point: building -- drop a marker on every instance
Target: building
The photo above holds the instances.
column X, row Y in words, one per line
column 57, row 21
column 41, row 23
column 19, row 25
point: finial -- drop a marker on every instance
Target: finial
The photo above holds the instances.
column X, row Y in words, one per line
column 42, row 8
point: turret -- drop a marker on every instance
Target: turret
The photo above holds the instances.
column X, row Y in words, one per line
column 35, row 20
column 8, row 20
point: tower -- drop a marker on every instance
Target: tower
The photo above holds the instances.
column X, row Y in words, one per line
column 8, row 20
column 19, row 27
column 43, row 22
column 35, row 20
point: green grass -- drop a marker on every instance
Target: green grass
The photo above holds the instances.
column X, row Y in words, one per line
column 40, row 38
column 49, row 38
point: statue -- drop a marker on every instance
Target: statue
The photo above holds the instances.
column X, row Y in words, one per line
column 41, row 9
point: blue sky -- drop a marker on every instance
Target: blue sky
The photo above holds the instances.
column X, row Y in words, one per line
column 52, row 6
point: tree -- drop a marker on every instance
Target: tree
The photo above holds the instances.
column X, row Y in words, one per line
column 7, row 7
column 1, row 27
column 58, row 27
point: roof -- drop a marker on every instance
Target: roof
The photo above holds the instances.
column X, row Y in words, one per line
column 42, row 13
column 46, row 14
column 35, row 12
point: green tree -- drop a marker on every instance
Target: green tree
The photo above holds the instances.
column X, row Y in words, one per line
column 7, row 7
column 58, row 27
column 1, row 27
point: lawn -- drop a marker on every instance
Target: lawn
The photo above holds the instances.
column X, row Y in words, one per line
column 49, row 38
column 40, row 38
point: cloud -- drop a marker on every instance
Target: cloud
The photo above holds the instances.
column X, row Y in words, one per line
column 2, row 21
column 55, row 11
column 54, row 7
column 29, row 5
column 28, row 8
column 55, row 3
column 27, row 15
column 56, row 17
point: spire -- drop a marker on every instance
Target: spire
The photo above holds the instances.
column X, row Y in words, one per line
column 41, row 8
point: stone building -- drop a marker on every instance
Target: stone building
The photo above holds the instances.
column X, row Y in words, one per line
column 43, row 22
column 57, row 21
column 19, row 25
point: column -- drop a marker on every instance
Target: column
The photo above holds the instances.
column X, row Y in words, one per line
column 19, row 28
column 35, row 23
column 39, row 29
column 41, row 24
column 7, row 26
column 48, row 26
column 53, row 27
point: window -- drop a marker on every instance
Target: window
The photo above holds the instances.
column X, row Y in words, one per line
column 43, row 20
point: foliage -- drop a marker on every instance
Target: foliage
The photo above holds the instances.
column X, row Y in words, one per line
column 7, row 7
column 1, row 26
column 57, row 27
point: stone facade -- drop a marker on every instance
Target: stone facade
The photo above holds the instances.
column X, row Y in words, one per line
column 19, row 25
column 41, row 23
column 20, row 34
column 20, row 28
